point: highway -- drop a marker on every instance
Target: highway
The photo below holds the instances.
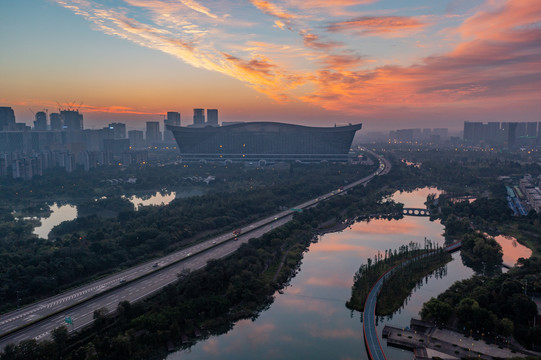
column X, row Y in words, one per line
column 38, row 319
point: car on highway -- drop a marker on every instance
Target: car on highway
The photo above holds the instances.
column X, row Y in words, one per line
column 214, row 242
column 155, row 265
column 122, row 281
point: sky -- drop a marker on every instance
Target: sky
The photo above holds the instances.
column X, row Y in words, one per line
column 388, row 64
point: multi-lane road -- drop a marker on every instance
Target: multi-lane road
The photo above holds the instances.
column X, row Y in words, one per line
column 39, row 319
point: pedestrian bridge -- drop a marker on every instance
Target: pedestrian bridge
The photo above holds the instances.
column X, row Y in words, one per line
column 415, row 212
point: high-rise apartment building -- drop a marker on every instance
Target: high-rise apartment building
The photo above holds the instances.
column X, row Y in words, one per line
column 212, row 117
column 56, row 121
column 153, row 132
column 7, row 117
column 473, row 132
column 493, row 133
column 531, row 129
column 119, row 130
column 198, row 117
column 137, row 140
column 173, row 118
column 73, row 121
column 41, row 121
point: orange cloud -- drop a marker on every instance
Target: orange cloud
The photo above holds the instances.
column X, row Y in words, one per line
column 114, row 110
column 396, row 26
column 313, row 41
column 495, row 56
column 273, row 10
column 327, row 4
column 342, row 61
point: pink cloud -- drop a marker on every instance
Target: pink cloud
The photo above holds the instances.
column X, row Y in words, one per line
column 396, row 26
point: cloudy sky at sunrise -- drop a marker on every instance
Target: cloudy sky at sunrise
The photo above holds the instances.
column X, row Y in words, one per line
column 386, row 63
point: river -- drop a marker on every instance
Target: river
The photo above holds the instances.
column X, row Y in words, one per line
column 61, row 212
column 310, row 320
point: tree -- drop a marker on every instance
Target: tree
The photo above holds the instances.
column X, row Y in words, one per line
column 436, row 310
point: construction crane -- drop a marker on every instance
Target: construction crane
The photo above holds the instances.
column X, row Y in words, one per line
column 71, row 106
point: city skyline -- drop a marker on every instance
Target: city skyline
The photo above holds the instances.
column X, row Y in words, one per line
column 382, row 63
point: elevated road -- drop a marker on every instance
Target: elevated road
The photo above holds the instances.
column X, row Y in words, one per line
column 38, row 319
column 370, row 331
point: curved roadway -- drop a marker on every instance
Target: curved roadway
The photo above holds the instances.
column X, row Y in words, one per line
column 38, row 319
column 370, row 331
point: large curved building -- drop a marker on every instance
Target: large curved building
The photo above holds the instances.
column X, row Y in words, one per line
column 268, row 141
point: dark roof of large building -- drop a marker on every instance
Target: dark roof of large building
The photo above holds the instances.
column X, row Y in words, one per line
column 268, row 140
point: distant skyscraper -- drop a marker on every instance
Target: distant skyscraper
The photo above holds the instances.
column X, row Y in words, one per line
column 199, row 117
column 72, row 120
column 7, row 117
column 56, row 121
column 153, row 132
column 212, row 117
column 41, row 121
column 119, row 130
column 173, row 118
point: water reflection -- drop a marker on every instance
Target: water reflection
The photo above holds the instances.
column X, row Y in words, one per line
column 512, row 249
column 310, row 320
column 59, row 213
column 162, row 197
column 157, row 199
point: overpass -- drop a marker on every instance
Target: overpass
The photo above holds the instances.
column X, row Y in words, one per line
column 370, row 332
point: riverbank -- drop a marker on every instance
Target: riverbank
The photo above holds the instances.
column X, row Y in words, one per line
column 423, row 336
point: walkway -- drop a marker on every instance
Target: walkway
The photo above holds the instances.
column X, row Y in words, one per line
column 371, row 339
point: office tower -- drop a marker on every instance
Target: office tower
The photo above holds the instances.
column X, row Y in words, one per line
column 212, row 117
column 72, row 120
column 153, row 132
column 41, row 121
column 119, row 130
column 199, row 117
column 137, row 140
column 7, row 117
column 56, row 121
column 173, row 118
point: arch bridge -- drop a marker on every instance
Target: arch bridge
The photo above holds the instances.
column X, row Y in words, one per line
column 416, row 212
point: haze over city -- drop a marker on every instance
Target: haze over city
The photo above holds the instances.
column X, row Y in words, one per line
column 387, row 64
